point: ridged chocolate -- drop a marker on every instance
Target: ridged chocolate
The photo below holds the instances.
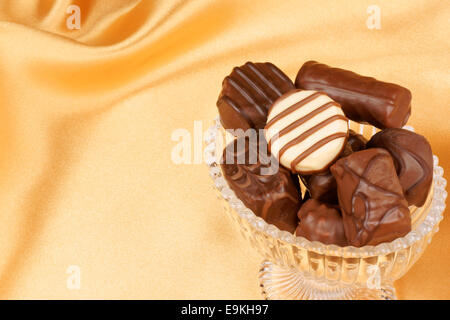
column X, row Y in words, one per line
column 323, row 186
column 247, row 94
column 275, row 197
column 321, row 222
column 372, row 204
column 413, row 161
column 363, row 99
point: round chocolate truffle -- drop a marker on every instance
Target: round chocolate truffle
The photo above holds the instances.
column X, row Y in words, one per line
column 413, row 160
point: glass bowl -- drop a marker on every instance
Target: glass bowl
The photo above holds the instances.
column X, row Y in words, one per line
column 296, row 268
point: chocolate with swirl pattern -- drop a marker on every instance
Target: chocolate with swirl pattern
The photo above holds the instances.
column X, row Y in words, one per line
column 273, row 195
column 374, row 209
column 413, row 160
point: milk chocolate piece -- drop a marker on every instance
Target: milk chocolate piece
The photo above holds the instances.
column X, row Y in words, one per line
column 323, row 186
column 273, row 195
column 247, row 94
column 363, row 99
column 373, row 207
column 306, row 131
column 413, row 161
column 321, row 222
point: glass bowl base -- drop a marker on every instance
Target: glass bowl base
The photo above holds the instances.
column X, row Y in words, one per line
column 279, row 283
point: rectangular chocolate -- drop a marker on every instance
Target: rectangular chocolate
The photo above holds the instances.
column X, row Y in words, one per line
column 363, row 99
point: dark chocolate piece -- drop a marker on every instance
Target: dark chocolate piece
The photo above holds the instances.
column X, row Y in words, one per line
column 363, row 99
column 413, row 161
column 373, row 207
column 321, row 222
column 356, row 141
column 273, row 195
column 323, row 186
column 247, row 94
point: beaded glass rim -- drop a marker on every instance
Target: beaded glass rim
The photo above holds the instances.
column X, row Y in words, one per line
column 430, row 222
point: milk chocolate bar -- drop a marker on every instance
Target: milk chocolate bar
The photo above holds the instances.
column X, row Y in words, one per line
column 247, row 94
column 363, row 99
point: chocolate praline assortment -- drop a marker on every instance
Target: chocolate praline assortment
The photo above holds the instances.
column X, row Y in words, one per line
column 371, row 198
column 356, row 192
column 413, row 161
column 321, row 222
column 270, row 191
column 247, row 94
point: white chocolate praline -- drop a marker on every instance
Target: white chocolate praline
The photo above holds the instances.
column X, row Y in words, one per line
column 307, row 129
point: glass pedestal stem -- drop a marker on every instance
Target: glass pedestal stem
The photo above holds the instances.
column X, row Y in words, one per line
column 277, row 283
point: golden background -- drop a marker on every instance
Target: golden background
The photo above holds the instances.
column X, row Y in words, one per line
column 86, row 176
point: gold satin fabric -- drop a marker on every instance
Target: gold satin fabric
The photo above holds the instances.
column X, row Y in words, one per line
column 86, row 176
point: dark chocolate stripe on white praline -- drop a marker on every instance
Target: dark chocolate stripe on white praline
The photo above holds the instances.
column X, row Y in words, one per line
column 302, row 120
column 309, row 132
column 315, row 147
column 292, row 108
